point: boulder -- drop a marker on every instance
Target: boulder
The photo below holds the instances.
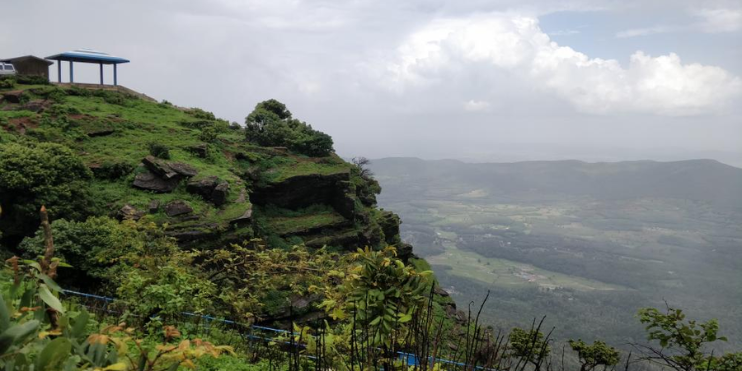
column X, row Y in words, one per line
column 13, row 96
column 159, row 167
column 211, row 189
column 129, row 212
column 154, row 206
column 169, row 170
column 440, row 291
column 177, row 207
column 35, row 106
column 203, row 187
column 151, row 182
column 183, row 169
column 220, row 193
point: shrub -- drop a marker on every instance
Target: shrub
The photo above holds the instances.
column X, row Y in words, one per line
column 87, row 245
column 112, row 97
column 32, row 80
column 201, row 114
column 7, row 83
column 271, row 124
column 33, row 175
column 24, row 98
column 159, row 150
column 113, row 170
column 208, row 134
column 39, row 331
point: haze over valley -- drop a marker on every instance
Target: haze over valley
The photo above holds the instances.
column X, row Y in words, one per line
column 586, row 244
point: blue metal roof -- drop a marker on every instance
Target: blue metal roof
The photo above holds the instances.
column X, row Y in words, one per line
column 89, row 56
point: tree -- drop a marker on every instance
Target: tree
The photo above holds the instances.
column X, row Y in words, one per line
column 362, row 164
column 271, row 124
column 32, row 175
column 592, row 356
column 684, row 340
column 529, row 345
column 276, row 107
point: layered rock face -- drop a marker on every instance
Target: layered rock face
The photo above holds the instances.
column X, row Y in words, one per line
column 306, row 190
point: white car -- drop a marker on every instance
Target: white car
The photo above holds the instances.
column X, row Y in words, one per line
column 6, row 69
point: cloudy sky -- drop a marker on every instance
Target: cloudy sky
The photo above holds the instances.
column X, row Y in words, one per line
column 483, row 80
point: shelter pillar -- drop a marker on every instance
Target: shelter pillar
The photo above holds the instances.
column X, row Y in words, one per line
column 101, row 73
column 72, row 77
column 115, row 75
column 59, row 71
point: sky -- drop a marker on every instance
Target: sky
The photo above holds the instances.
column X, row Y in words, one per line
column 477, row 80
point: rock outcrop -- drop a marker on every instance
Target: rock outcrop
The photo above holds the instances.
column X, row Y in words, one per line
column 162, row 176
column 178, row 207
column 305, row 190
column 211, row 189
column 151, row 182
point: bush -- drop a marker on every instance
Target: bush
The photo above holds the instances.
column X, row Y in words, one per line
column 271, row 124
column 32, row 80
column 159, row 150
column 201, row 114
column 7, row 83
column 113, row 170
column 32, row 175
column 24, row 98
column 87, row 246
column 208, row 134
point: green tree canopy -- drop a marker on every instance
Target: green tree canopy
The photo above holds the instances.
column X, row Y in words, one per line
column 595, row 355
column 32, row 175
column 271, row 124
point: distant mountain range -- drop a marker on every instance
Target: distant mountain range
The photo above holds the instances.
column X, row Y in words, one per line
column 701, row 180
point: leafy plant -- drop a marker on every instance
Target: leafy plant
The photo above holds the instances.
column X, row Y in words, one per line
column 685, row 338
column 592, row 356
column 379, row 293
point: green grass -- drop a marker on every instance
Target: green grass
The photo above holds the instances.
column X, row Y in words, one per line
column 302, row 166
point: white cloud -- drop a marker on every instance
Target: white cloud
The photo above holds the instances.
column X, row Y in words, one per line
column 634, row 32
column 476, row 106
column 564, row 33
column 720, row 20
column 660, row 85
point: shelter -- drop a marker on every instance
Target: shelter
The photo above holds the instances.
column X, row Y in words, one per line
column 87, row 56
column 30, row 65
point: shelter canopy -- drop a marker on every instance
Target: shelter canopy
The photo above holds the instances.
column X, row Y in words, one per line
column 87, row 56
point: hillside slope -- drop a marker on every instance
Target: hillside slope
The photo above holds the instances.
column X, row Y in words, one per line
column 184, row 170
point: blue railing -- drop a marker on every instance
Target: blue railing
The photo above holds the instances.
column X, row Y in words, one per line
column 409, row 358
